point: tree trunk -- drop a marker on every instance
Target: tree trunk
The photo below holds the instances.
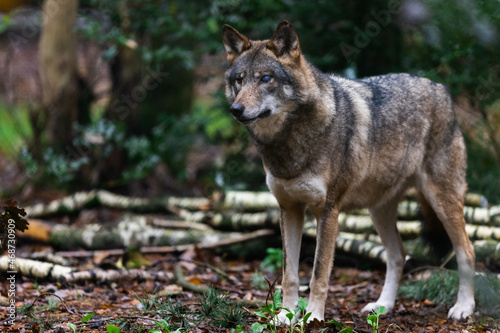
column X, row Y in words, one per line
column 58, row 69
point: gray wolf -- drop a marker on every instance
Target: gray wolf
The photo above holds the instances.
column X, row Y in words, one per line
column 329, row 143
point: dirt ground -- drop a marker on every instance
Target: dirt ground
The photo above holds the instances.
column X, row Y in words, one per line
column 118, row 303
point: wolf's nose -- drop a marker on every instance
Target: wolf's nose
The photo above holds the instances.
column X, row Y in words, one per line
column 237, row 109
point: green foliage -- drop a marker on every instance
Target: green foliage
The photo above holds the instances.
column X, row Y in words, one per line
column 5, row 23
column 95, row 143
column 454, row 42
column 112, row 329
column 298, row 317
column 273, row 261
column 16, row 128
column 373, row 318
column 487, row 294
column 85, row 319
column 164, row 327
column 442, row 287
column 482, row 175
column 269, row 314
column 220, row 311
column 213, row 307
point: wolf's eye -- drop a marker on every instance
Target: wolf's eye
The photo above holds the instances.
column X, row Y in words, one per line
column 265, row 79
column 239, row 80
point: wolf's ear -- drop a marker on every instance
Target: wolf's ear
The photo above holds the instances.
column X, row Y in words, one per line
column 234, row 42
column 285, row 42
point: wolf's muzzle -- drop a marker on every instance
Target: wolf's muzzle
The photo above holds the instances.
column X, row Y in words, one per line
column 237, row 109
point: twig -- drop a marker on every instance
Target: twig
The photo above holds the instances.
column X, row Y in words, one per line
column 49, row 294
column 448, row 258
column 181, row 281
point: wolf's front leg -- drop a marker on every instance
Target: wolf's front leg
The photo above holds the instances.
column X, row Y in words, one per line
column 291, row 223
column 326, row 236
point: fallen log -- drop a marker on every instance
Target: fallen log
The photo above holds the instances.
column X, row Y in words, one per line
column 101, row 275
column 33, row 268
column 132, row 230
column 76, row 202
column 243, row 201
column 43, row 270
column 475, row 210
column 484, row 216
column 244, row 237
column 471, row 199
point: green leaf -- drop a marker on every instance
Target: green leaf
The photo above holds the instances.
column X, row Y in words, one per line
column 302, row 304
column 380, row 310
column 346, row 330
column 260, row 314
column 290, row 316
column 371, row 319
column 155, row 330
column 163, row 324
column 112, row 329
column 237, row 329
column 257, row 328
column 72, row 326
column 307, row 316
column 334, row 322
column 88, row 317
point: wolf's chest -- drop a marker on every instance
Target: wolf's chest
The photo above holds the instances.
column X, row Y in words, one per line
column 307, row 189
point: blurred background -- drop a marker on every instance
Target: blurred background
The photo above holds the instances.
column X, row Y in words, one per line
column 128, row 95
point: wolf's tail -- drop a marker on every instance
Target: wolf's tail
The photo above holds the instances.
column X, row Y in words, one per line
column 433, row 232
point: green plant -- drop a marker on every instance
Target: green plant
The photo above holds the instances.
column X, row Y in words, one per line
column 220, row 311
column 214, row 307
column 164, row 326
column 210, row 301
column 269, row 314
column 85, row 319
column 273, row 260
column 112, row 329
column 373, row 318
column 53, row 304
column 238, row 329
column 339, row 327
column 440, row 287
column 228, row 315
column 298, row 316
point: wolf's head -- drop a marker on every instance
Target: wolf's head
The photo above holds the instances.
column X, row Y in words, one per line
column 265, row 78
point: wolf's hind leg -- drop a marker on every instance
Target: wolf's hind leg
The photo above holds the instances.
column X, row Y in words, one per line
column 384, row 219
column 448, row 206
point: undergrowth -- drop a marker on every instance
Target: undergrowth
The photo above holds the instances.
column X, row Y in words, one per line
column 442, row 286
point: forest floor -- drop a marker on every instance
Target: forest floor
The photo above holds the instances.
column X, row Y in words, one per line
column 135, row 305
column 43, row 306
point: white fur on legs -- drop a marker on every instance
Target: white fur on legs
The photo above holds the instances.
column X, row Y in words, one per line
column 465, row 304
column 327, row 231
column 384, row 220
column 316, row 305
column 450, row 213
column 292, row 222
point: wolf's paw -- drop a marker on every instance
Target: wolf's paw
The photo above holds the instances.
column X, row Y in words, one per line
column 375, row 305
column 315, row 316
column 461, row 311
